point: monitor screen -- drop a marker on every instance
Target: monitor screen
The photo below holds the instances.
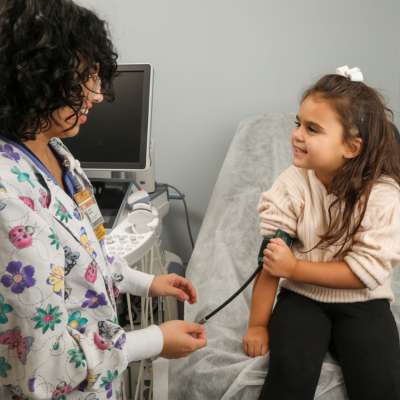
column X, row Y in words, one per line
column 116, row 135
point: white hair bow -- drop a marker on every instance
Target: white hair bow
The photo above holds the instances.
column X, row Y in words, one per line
column 354, row 74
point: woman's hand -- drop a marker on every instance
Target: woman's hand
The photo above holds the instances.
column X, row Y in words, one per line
column 173, row 285
column 182, row 338
column 256, row 341
column 279, row 260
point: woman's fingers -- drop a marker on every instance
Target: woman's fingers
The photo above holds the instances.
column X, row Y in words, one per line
column 186, row 286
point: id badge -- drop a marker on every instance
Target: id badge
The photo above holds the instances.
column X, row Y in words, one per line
column 88, row 205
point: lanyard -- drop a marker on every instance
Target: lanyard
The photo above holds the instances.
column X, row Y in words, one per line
column 76, row 189
column 31, row 156
column 68, row 179
column 80, row 194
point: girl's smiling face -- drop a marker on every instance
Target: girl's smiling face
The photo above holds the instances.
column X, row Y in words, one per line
column 317, row 139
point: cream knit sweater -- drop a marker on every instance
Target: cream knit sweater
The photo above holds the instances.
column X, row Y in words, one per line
column 298, row 203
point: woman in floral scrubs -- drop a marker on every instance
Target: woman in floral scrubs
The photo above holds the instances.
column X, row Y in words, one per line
column 59, row 332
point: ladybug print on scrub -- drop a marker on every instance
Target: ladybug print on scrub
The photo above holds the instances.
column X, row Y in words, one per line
column 59, row 323
column 91, row 272
column 21, row 236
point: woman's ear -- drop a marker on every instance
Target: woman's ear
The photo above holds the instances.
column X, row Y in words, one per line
column 353, row 148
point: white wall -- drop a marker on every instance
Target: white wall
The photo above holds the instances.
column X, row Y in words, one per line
column 218, row 61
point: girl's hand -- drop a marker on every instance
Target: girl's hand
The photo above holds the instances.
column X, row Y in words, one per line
column 256, row 341
column 279, row 260
column 173, row 285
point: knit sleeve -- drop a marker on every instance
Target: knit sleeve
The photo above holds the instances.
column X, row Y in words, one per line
column 376, row 246
column 280, row 206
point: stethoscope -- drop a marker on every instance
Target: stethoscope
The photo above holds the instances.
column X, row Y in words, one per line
column 278, row 234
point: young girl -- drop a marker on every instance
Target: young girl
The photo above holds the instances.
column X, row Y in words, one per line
column 341, row 200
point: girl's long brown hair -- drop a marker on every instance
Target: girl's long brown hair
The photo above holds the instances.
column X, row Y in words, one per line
column 362, row 113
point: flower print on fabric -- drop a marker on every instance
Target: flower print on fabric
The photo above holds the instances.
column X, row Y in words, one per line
column 47, row 318
column 91, row 379
column 77, row 213
column 110, row 259
column 115, row 291
column 3, row 190
column 84, row 239
column 17, row 393
column 100, row 342
column 106, row 382
column 61, row 212
column 7, row 151
column 18, row 278
column 71, row 258
column 91, row 272
column 56, row 346
column 21, row 236
column 59, row 393
column 119, row 343
column 56, row 279
column 4, row 310
column 117, row 277
column 104, row 339
column 54, row 240
column 77, row 357
column 31, row 384
column 4, row 367
column 82, row 386
column 28, row 201
column 94, row 300
column 15, row 341
column 44, row 198
column 107, row 330
column 67, row 293
column 77, row 322
column 22, row 176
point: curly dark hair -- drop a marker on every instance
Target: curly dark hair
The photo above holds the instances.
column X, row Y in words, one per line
column 48, row 49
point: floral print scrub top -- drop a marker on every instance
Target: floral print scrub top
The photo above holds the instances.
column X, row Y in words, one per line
column 59, row 333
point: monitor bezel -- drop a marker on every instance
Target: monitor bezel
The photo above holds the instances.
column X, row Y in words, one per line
column 145, row 134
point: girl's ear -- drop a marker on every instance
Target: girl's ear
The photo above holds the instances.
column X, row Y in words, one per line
column 353, row 148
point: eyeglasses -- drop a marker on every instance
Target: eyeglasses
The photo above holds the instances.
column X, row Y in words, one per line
column 92, row 88
column 95, row 83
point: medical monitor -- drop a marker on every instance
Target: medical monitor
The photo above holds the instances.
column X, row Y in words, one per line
column 116, row 136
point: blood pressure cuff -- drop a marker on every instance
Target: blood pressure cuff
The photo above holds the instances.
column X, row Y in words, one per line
column 278, row 234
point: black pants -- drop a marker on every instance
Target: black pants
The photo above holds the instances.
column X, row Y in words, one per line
column 362, row 336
